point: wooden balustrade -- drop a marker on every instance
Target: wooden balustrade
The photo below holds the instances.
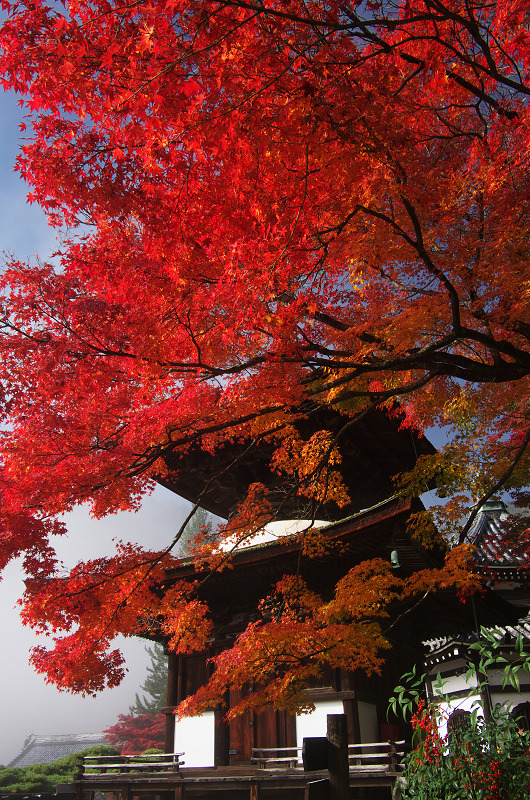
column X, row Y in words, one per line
column 93, row 766
column 277, row 757
column 375, row 756
column 363, row 757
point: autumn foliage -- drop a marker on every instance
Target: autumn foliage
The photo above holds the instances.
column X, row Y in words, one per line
column 135, row 734
column 300, row 636
column 264, row 207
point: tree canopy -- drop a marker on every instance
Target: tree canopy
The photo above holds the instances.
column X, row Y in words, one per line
column 265, row 206
column 136, row 734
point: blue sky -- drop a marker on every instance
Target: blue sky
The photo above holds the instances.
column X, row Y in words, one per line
column 28, row 704
column 23, row 228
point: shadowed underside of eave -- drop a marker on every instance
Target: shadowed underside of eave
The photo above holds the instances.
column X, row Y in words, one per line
column 373, row 450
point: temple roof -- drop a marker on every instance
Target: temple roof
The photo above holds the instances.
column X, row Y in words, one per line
column 502, row 552
column 373, row 450
column 375, row 532
column 45, row 749
column 490, row 533
column 445, row 648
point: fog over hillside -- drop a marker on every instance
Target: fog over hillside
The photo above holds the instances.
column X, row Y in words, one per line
column 28, row 704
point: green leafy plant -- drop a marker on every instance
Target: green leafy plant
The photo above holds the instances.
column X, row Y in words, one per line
column 479, row 758
column 38, row 778
column 490, row 651
column 409, row 694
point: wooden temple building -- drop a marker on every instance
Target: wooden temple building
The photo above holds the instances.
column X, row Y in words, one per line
column 259, row 754
column 502, row 559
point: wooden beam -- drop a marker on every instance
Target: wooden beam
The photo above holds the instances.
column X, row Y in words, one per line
column 339, row 771
column 317, row 790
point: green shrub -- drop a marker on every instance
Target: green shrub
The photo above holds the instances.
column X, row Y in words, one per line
column 40, row 778
column 479, row 759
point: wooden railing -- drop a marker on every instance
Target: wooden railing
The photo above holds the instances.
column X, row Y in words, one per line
column 103, row 765
column 279, row 757
column 363, row 757
column 375, row 756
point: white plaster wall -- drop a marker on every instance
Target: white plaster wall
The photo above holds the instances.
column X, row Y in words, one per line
column 316, row 724
column 271, row 532
column 464, row 703
column 509, row 699
column 368, row 723
column 456, row 683
column 194, row 736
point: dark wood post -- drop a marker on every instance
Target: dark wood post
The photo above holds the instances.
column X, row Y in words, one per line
column 393, row 758
column 172, row 699
column 221, row 735
column 338, row 765
column 254, row 790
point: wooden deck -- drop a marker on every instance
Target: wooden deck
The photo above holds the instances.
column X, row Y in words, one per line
column 274, row 775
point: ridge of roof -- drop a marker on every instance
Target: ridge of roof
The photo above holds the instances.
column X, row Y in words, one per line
column 506, row 633
column 47, row 748
column 490, row 535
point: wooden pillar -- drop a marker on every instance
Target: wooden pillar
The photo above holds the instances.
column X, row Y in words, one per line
column 179, row 791
column 317, row 790
column 254, row 790
column 338, row 765
column 172, row 700
column 351, row 709
column 221, row 737
column 172, row 679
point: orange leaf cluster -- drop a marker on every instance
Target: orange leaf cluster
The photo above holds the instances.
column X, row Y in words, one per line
column 301, row 635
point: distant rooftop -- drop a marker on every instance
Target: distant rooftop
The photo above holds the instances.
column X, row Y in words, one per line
column 497, row 545
column 47, row 749
column 446, row 647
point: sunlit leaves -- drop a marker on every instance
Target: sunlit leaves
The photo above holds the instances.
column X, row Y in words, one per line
column 285, row 209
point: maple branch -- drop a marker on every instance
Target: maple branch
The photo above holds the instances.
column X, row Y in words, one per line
column 431, row 358
column 407, row 611
column 482, row 95
column 474, row 29
column 230, row 111
column 496, row 487
column 500, row 346
column 364, row 31
column 110, row 11
column 523, row 328
column 171, row 66
column 299, row 211
column 273, row 12
column 419, row 246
